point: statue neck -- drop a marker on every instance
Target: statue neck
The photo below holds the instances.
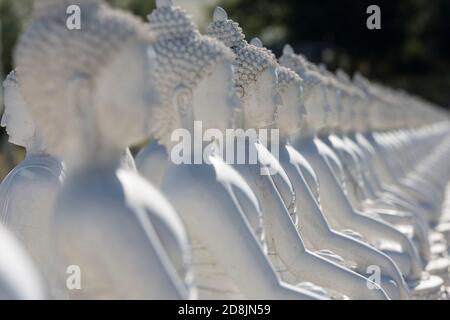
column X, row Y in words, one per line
column 301, row 133
column 105, row 156
column 324, row 132
column 306, row 132
column 35, row 146
column 88, row 152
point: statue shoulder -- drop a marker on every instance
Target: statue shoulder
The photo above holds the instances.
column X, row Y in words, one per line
column 98, row 196
column 305, row 167
column 327, row 152
column 126, row 220
column 31, row 174
column 336, row 142
column 271, row 167
column 230, row 178
column 28, row 187
column 141, row 192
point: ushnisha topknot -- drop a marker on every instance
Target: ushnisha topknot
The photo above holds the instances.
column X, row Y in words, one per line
column 251, row 59
column 169, row 21
column 306, row 70
column 226, row 30
column 49, row 57
column 287, row 77
column 296, row 62
column 345, row 80
column 183, row 57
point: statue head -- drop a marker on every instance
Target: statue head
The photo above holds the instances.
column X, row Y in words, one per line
column 361, row 110
column 194, row 72
column 380, row 112
column 347, row 115
column 87, row 87
column 16, row 118
column 292, row 112
column 346, row 101
column 255, row 72
column 368, row 101
column 314, row 87
column 355, row 104
column 333, row 93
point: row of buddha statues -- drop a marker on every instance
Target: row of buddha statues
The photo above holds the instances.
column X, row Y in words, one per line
column 354, row 210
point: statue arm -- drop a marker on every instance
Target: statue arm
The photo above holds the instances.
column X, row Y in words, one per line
column 307, row 266
column 334, row 200
column 247, row 263
column 226, row 231
column 320, row 236
column 312, row 267
column 114, row 250
column 365, row 256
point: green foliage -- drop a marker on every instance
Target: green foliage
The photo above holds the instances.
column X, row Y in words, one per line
column 12, row 17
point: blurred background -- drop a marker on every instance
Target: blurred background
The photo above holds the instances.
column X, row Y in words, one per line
column 411, row 51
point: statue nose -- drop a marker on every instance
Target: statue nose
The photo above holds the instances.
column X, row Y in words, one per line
column 3, row 121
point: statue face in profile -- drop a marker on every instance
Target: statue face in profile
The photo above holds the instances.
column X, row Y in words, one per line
column 16, row 118
column 261, row 100
column 315, row 106
column 292, row 114
column 214, row 100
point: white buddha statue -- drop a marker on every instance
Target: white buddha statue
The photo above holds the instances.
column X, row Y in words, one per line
column 313, row 226
column 27, row 193
column 394, row 210
column 19, row 278
column 220, row 211
column 256, row 79
column 335, row 203
column 92, row 93
column 388, row 185
column 389, row 207
column 438, row 263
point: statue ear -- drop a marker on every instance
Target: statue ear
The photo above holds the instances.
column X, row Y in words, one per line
column 182, row 100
